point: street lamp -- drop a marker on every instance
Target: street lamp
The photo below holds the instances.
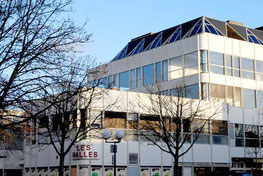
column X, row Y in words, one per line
column 119, row 134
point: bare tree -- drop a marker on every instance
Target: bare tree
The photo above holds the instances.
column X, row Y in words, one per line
column 64, row 100
column 171, row 122
column 35, row 35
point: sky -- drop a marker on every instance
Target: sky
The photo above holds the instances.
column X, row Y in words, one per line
column 113, row 23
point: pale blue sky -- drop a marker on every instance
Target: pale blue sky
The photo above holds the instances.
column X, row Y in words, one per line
column 114, row 23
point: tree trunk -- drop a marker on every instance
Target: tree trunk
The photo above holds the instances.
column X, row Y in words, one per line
column 61, row 165
column 176, row 167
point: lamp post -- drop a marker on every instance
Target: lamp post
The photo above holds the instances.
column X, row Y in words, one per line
column 119, row 134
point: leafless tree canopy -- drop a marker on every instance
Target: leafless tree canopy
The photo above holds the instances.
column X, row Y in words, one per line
column 35, row 37
column 173, row 122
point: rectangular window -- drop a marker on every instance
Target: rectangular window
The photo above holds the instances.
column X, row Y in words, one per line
column 158, row 72
column 216, row 62
column 115, row 81
column 192, row 91
column 138, row 77
column 236, row 66
column 204, row 61
column 222, row 140
column 165, row 70
column 103, row 83
column 124, row 80
column 229, row 95
column 239, row 135
column 249, row 98
column 237, row 96
column 115, row 119
column 176, row 67
column 259, row 67
column 239, row 130
column 248, row 68
column 110, row 82
column 217, row 91
column 133, row 79
column 191, row 64
column 259, row 99
column 219, row 127
column 148, row 75
column 251, row 131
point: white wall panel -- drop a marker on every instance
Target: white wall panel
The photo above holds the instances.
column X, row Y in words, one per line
column 160, row 53
column 174, row 49
column 248, row 83
column 149, row 158
column 247, row 49
column 190, row 44
column 220, row 153
column 236, row 115
column 236, row 47
column 216, row 43
column 251, row 117
column 202, row 153
column 259, row 52
column 228, row 46
column 203, row 41
column 147, row 57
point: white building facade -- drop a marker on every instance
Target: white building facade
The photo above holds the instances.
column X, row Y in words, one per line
column 215, row 60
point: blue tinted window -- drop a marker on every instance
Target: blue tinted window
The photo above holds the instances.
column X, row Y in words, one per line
column 138, row 48
column 192, row 91
column 148, row 75
column 115, row 81
column 252, row 38
column 158, row 71
column 155, row 43
column 260, row 99
column 124, row 80
column 122, row 54
column 103, row 82
column 259, row 66
column 110, row 82
column 248, row 64
column 138, row 77
column 209, row 28
column 196, row 29
column 175, row 36
column 133, row 79
column 165, row 71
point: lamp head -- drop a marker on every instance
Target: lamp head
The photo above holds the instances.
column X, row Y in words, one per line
column 119, row 134
column 106, row 134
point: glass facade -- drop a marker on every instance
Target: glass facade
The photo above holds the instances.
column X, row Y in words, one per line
column 248, row 68
column 191, row 64
column 176, row 67
column 158, row 72
column 249, row 98
column 133, row 79
column 138, row 77
column 165, row 70
column 124, row 80
column 216, row 62
column 115, row 81
column 148, row 75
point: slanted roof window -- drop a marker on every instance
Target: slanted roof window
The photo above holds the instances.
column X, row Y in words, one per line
column 138, row 48
column 209, row 28
column 177, row 35
column 155, row 43
column 252, row 38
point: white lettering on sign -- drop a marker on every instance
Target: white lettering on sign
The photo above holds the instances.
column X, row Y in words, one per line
column 84, row 151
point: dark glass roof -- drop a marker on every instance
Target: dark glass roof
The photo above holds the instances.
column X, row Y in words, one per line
column 190, row 28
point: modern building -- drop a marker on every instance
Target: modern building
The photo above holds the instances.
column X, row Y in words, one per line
column 212, row 60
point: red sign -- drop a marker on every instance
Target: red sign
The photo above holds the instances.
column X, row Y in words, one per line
column 84, row 151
